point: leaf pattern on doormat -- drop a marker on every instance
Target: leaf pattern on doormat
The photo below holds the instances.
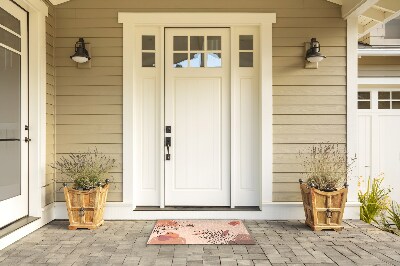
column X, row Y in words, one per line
column 203, row 232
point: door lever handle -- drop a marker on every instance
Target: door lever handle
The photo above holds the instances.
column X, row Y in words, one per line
column 168, row 144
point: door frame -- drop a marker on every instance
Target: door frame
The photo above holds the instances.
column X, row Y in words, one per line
column 37, row 12
column 132, row 130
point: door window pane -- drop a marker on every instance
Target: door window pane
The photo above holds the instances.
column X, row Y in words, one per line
column 384, row 95
column 180, row 43
column 364, row 95
column 148, row 59
column 214, row 60
column 180, row 60
column 197, row 43
column 396, row 105
column 384, row 105
column 7, row 20
column 10, row 39
column 364, row 105
column 197, row 60
column 214, row 43
column 396, row 95
column 246, row 42
column 148, row 42
column 246, row 59
column 10, row 124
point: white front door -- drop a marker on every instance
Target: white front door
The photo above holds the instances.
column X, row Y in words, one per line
column 13, row 113
column 197, row 108
column 378, row 135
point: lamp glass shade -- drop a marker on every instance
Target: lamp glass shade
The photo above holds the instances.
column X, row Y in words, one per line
column 315, row 58
column 80, row 59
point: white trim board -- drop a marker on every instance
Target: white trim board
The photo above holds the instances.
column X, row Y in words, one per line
column 270, row 211
column 379, row 52
column 132, row 124
column 379, row 80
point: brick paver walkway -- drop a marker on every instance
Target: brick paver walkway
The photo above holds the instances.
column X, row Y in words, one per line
column 278, row 243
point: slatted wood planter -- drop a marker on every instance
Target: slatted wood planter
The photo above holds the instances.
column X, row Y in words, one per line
column 323, row 210
column 85, row 207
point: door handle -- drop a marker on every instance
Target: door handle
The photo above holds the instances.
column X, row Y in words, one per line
column 27, row 139
column 168, row 144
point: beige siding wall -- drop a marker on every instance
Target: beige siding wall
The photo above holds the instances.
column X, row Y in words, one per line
column 50, row 106
column 309, row 105
column 379, row 66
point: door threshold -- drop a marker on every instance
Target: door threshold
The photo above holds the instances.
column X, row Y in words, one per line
column 196, row 208
column 8, row 229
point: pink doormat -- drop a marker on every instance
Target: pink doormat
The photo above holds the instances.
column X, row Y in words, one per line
column 200, row 232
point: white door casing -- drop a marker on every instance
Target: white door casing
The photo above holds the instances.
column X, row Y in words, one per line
column 17, row 206
column 197, row 106
column 379, row 142
column 248, row 85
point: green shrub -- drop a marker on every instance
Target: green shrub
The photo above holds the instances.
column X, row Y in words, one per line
column 394, row 214
column 374, row 201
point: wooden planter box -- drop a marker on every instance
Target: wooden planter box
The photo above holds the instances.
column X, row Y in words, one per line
column 323, row 210
column 85, row 207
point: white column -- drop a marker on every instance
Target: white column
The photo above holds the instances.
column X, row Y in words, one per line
column 352, row 87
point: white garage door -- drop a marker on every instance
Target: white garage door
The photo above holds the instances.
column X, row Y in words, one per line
column 379, row 136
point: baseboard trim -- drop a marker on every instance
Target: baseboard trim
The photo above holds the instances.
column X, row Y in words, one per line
column 47, row 216
column 270, row 211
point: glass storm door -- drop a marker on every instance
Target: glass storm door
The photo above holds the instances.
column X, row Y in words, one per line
column 197, row 108
column 13, row 113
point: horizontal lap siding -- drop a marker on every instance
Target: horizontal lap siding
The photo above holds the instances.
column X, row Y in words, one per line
column 379, row 66
column 309, row 105
column 48, row 188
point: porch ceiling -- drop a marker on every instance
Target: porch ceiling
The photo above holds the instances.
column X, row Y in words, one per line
column 371, row 13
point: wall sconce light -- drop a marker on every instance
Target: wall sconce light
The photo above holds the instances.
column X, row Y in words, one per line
column 313, row 55
column 81, row 54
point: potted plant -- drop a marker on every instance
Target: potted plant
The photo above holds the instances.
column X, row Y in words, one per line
column 324, row 192
column 86, row 198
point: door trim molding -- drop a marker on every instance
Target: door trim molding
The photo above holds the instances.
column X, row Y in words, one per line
column 131, row 124
column 37, row 102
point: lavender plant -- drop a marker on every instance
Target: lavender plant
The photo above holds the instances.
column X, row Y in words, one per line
column 325, row 166
column 86, row 170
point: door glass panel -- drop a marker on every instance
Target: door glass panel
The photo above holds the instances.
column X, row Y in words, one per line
column 214, row 43
column 180, row 43
column 396, row 105
column 148, row 42
column 364, row 95
column 148, row 59
column 197, row 43
column 364, row 105
column 10, row 39
column 384, row 105
column 246, row 59
column 214, row 60
column 246, row 42
column 7, row 20
column 384, row 95
column 396, row 95
column 10, row 121
column 197, row 60
column 180, row 60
